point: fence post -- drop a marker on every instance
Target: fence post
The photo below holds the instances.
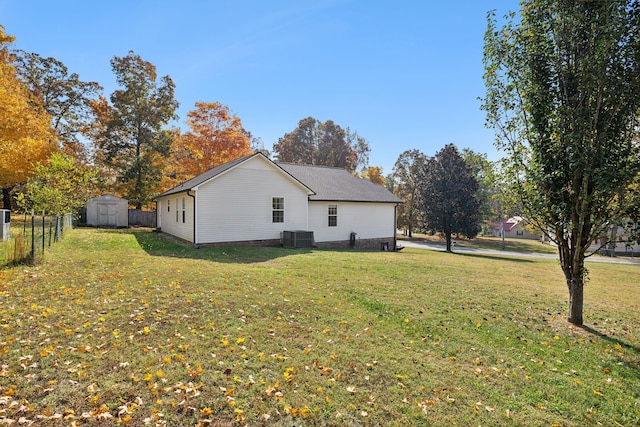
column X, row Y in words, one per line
column 57, row 234
column 33, row 235
column 43, row 233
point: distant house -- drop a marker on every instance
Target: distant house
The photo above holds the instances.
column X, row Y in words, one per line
column 616, row 242
column 514, row 227
column 108, row 211
column 253, row 200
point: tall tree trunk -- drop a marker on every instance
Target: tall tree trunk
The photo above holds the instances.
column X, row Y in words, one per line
column 576, row 298
column 6, row 197
column 448, row 239
column 572, row 263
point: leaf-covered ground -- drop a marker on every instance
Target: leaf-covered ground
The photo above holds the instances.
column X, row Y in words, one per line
column 125, row 327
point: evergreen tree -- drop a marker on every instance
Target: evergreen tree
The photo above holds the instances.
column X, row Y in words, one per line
column 449, row 195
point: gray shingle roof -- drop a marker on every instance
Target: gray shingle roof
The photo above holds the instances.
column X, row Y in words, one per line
column 337, row 184
column 328, row 183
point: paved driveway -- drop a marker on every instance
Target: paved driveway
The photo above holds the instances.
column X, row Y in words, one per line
column 425, row 245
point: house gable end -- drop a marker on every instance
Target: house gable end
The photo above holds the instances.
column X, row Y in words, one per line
column 257, row 161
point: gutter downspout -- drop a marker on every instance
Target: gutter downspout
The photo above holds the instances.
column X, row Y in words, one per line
column 395, row 227
column 193, row 196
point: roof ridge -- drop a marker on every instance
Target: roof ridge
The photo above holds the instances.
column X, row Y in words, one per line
column 311, row 166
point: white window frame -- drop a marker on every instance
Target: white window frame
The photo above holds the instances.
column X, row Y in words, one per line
column 277, row 210
column 332, row 213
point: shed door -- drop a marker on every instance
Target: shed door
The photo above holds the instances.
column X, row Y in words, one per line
column 107, row 214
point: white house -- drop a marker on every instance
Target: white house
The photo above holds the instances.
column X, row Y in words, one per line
column 108, row 211
column 616, row 241
column 514, row 227
column 253, row 200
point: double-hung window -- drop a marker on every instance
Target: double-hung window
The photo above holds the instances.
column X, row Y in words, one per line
column 333, row 215
column 278, row 209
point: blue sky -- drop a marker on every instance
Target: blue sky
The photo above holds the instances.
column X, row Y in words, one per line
column 403, row 74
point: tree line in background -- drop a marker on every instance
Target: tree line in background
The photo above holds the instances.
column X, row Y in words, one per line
column 451, row 193
column 67, row 135
column 124, row 145
column 127, row 144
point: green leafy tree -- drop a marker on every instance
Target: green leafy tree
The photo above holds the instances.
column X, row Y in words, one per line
column 389, row 183
column 489, row 186
column 59, row 186
column 449, row 192
column 64, row 97
column 130, row 133
column 563, row 94
column 405, row 183
column 631, row 223
column 317, row 143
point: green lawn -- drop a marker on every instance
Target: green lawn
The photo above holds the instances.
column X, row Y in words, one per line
column 494, row 243
column 126, row 327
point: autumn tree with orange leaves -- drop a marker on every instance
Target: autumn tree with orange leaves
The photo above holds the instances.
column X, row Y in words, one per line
column 26, row 137
column 216, row 136
column 373, row 174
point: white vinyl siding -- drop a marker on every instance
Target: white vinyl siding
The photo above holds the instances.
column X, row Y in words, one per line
column 238, row 204
column 367, row 220
column 175, row 226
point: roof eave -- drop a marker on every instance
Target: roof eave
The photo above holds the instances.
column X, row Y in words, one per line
column 357, row 201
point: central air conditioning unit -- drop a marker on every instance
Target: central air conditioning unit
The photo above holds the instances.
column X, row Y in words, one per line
column 297, row 239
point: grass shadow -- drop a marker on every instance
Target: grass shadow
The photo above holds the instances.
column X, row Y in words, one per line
column 609, row 338
column 632, row 365
column 157, row 244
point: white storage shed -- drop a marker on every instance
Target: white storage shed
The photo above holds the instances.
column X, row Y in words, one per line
column 108, row 211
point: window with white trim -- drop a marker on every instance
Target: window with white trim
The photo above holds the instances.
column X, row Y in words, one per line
column 277, row 209
column 333, row 215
